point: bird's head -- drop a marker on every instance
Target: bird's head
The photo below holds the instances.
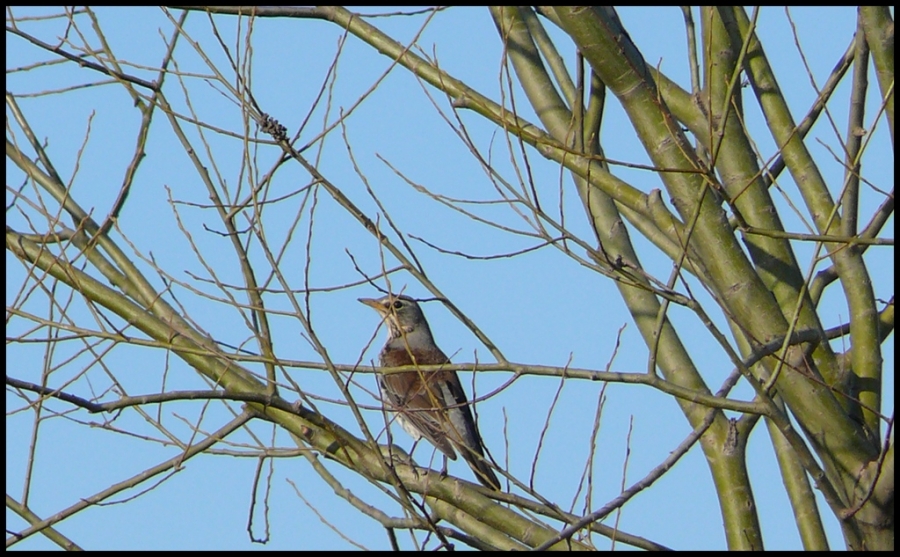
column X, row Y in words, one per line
column 402, row 314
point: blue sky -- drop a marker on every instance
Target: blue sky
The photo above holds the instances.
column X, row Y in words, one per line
column 541, row 307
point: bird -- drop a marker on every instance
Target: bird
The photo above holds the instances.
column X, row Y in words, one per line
column 431, row 404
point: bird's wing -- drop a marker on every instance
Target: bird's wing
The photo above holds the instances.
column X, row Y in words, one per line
column 461, row 427
column 463, row 432
column 420, row 406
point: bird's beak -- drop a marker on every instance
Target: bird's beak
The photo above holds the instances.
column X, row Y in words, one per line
column 373, row 303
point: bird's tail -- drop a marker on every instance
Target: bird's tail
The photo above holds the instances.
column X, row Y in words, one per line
column 481, row 468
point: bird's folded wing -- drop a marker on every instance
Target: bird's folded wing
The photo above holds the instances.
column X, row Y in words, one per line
column 419, row 406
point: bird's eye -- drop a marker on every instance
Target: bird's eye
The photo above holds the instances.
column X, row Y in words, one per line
column 398, row 304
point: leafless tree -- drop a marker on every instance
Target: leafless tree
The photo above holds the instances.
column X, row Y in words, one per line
column 84, row 306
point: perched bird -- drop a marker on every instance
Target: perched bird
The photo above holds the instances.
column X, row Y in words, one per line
column 431, row 404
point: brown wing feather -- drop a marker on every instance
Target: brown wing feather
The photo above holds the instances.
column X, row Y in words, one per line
column 464, row 434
